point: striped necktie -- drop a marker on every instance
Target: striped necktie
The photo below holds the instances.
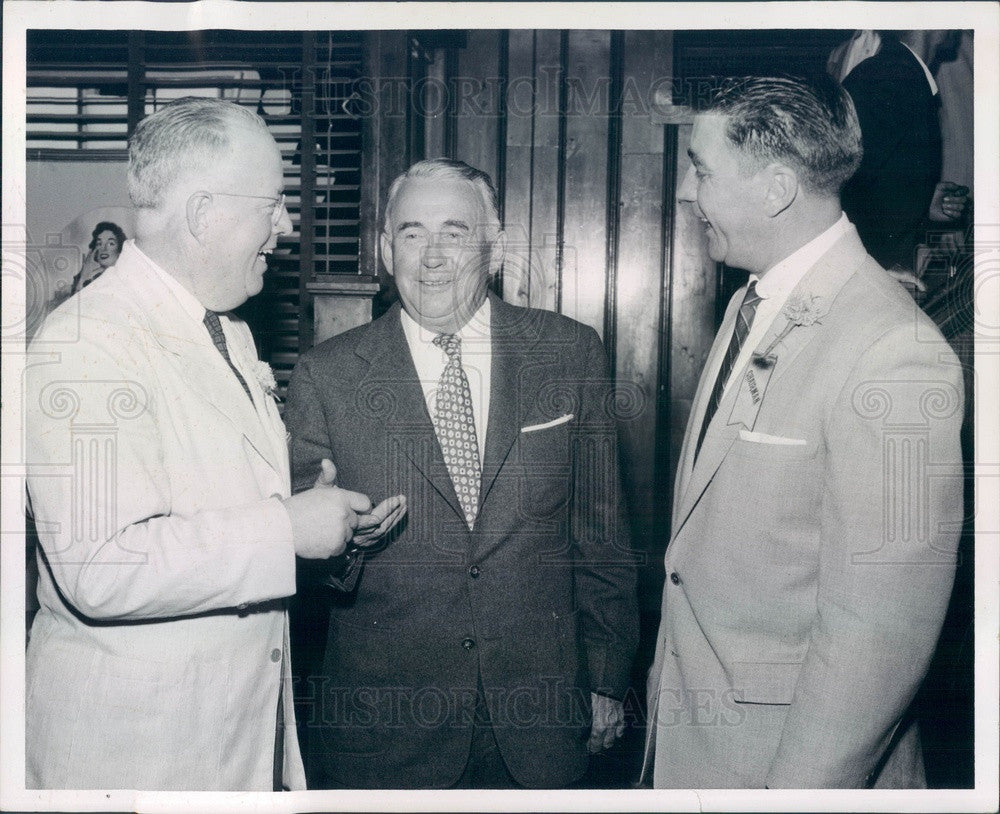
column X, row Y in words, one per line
column 744, row 319
column 214, row 326
column 455, row 425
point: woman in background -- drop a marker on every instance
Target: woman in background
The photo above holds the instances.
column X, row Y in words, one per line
column 105, row 246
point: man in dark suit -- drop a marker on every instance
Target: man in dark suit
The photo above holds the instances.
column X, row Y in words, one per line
column 489, row 642
column 896, row 101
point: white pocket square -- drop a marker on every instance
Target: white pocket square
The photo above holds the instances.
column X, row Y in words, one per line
column 555, row 422
column 764, row 438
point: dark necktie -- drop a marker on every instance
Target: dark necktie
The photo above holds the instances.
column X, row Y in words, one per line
column 456, row 427
column 214, row 326
column 744, row 319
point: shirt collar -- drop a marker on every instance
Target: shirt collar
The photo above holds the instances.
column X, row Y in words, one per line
column 927, row 71
column 477, row 329
column 187, row 300
column 782, row 277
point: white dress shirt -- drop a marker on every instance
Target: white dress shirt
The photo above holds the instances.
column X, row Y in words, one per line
column 477, row 361
column 773, row 288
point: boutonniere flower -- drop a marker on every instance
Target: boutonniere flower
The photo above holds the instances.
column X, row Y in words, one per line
column 265, row 377
column 805, row 310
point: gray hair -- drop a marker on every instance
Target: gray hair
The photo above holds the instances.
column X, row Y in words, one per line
column 177, row 138
column 455, row 170
column 809, row 124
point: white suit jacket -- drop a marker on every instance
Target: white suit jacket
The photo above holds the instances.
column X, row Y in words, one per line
column 813, row 548
column 157, row 655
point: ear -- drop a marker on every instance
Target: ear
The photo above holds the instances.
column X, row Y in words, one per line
column 782, row 188
column 498, row 251
column 197, row 210
column 385, row 242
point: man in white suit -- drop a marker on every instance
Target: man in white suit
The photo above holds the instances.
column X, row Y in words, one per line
column 818, row 496
column 158, row 476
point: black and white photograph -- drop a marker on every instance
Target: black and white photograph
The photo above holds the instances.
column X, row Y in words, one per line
column 500, row 406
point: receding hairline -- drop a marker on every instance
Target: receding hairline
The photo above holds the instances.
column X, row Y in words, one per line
column 191, row 138
column 484, row 221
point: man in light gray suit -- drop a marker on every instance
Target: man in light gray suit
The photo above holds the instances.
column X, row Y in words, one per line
column 159, row 477
column 818, row 497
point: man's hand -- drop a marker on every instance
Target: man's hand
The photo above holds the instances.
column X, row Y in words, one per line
column 608, row 722
column 948, row 203
column 324, row 517
column 374, row 526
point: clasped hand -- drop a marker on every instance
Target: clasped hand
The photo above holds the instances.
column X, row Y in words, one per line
column 326, row 517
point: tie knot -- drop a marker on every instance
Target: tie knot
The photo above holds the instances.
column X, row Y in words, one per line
column 751, row 298
column 450, row 344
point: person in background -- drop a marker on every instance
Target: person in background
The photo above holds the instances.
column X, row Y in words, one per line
column 897, row 192
column 818, row 499
column 157, row 469
column 106, row 243
column 488, row 645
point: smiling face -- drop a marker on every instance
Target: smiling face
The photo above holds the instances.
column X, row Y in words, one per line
column 437, row 247
column 245, row 216
column 725, row 195
column 106, row 249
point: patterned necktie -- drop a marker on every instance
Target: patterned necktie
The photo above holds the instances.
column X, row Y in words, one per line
column 744, row 319
column 214, row 326
column 456, row 427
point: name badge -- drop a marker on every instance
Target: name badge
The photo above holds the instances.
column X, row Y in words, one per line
column 753, row 386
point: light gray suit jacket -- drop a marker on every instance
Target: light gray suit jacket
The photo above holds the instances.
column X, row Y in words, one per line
column 157, row 655
column 807, row 580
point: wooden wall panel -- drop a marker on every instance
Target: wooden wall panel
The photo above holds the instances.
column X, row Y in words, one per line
column 383, row 140
column 546, row 173
column 692, row 294
column 646, row 58
column 585, row 190
column 477, row 88
column 519, row 149
column 533, row 169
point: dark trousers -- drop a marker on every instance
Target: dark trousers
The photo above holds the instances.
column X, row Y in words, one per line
column 485, row 768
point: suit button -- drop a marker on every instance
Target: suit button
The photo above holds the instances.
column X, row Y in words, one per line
column 674, row 578
column 474, row 571
column 276, row 655
column 468, row 644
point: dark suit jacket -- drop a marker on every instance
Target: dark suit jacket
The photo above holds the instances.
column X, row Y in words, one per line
column 888, row 197
column 538, row 601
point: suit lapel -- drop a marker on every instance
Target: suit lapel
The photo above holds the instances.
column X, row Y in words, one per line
column 824, row 281
column 505, row 411
column 392, row 372
column 686, row 465
column 189, row 347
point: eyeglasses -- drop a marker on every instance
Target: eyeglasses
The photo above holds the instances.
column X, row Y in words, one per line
column 279, row 203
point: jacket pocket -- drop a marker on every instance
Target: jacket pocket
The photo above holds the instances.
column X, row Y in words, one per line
column 543, row 467
column 764, row 682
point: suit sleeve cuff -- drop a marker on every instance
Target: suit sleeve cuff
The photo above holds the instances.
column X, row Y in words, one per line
column 273, row 556
column 609, row 670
